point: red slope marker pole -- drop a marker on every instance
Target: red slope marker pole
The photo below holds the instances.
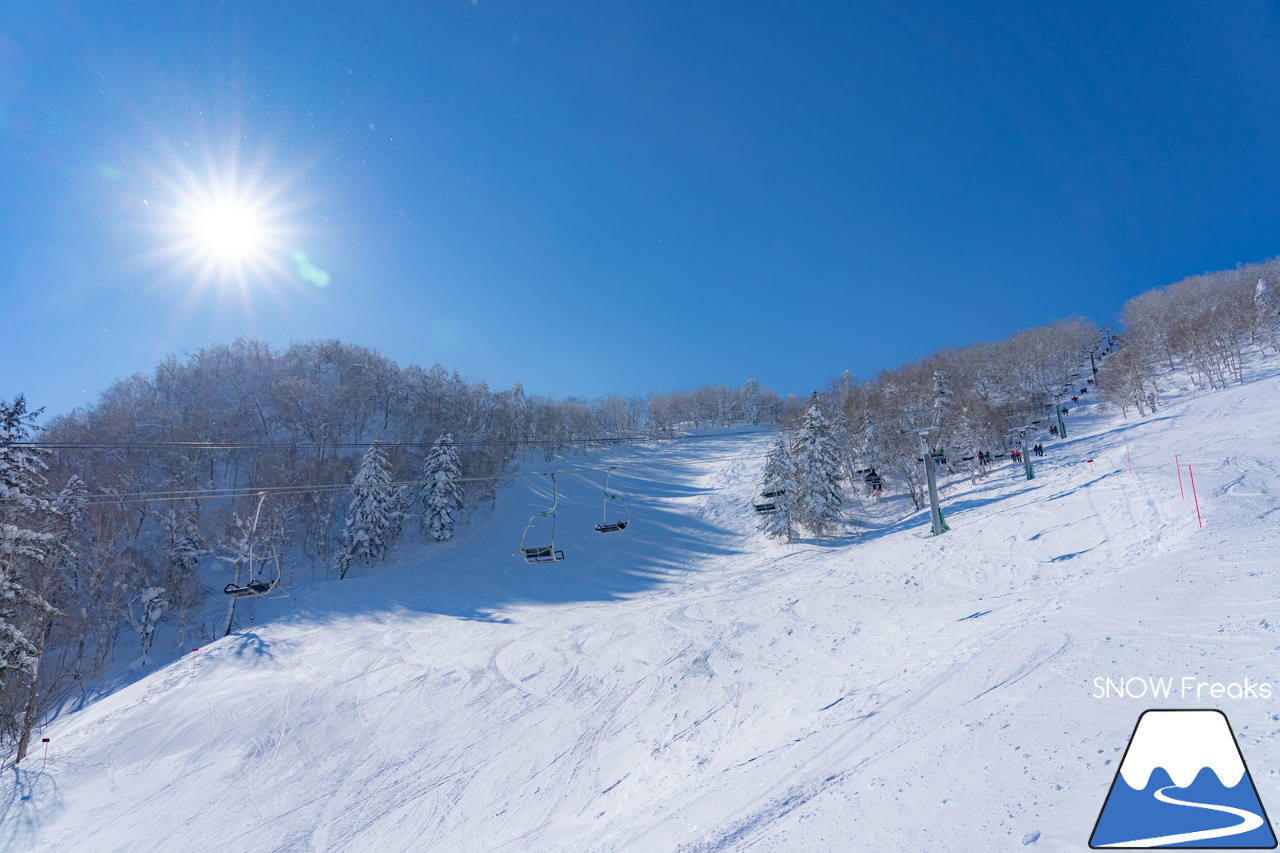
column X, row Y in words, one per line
column 1178, row 466
column 1192, row 475
column 1129, row 456
column 46, row 752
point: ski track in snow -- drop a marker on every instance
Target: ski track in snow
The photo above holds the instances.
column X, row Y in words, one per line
column 691, row 686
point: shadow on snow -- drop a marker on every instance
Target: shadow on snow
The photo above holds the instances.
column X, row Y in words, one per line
column 480, row 573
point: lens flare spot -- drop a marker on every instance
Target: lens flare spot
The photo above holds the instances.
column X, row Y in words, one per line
column 309, row 272
column 111, row 173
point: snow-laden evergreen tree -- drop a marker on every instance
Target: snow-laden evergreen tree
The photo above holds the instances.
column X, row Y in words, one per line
column 964, row 440
column 371, row 518
column 818, row 497
column 183, row 548
column 146, row 609
column 442, row 500
column 779, row 479
column 867, row 446
column 942, row 389
column 1266, row 301
column 943, row 399
column 23, row 544
column 752, row 402
column 182, row 543
column 844, row 445
column 70, row 505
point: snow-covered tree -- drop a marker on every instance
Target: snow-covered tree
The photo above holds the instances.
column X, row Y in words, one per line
column 371, row 518
column 235, row 549
column 942, row 389
column 70, row 504
column 752, row 402
column 146, row 609
column 442, row 500
column 818, row 495
column 86, row 580
column 183, row 544
column 1266, row 301
column 942, row 398
column 964, row 440
column 21, row 542
column 24, row 614
column 844, row 445
column 779, row 481
column 1128, row 379
column 183, row 548
column 868, row 440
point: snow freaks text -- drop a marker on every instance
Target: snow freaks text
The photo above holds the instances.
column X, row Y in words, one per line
column 1186, row 687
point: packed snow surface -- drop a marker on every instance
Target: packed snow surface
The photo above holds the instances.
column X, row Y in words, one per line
column 691, row 686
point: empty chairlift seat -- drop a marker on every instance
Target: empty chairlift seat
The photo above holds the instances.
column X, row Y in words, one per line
column 538, row 542
column 766, row 498
column 621, row 516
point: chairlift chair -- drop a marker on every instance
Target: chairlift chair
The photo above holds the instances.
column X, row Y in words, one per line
column 766, row 498
column 620, row 520
column 258, row 587
column 543, row 528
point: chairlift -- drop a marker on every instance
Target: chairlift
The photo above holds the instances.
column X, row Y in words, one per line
column 258, row 587
column 543, row 528
column 255, row 587
column 766, row 498
column 620, row 520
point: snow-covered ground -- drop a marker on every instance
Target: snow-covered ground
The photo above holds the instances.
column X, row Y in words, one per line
column 691, row 686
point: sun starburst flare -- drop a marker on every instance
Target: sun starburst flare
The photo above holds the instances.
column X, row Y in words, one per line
column 227, row 232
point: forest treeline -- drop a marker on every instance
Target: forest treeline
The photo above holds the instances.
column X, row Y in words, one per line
column 129, row 515
column 120, row 522
column 1199, row 330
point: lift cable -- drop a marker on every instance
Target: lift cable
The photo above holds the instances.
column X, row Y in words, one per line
column 323, row 488
column 216, row 445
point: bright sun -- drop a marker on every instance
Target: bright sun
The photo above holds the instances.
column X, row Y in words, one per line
column 229, row 231
column 224, row 226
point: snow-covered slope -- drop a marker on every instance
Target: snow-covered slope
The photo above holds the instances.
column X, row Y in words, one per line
column 690, row 686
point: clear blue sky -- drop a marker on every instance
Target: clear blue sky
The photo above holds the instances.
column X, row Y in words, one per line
column 621, row 196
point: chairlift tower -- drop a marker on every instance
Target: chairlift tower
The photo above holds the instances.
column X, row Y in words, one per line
column 921, row 422
column 1057, row 394
column 1021, row 428
column 1106, row 330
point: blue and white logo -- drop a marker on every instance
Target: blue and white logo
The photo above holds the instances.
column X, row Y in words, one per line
column 1183, row 783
